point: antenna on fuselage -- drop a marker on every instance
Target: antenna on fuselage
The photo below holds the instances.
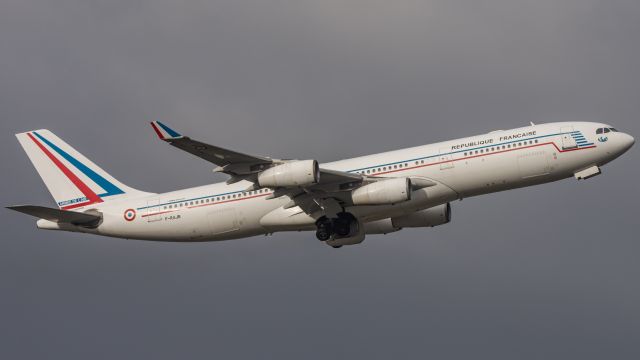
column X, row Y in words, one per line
column 532, row 124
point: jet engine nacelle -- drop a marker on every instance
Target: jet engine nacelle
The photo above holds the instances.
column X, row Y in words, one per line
column 437, row 215
column 383, row 226
column 293, row 173
column 384, row 192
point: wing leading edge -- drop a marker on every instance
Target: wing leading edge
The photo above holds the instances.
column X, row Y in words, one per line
column 243, row 166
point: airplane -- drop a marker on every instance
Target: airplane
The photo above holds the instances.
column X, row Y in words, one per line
column 342, row 201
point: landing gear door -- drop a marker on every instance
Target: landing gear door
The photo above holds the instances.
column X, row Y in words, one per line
column 445, row 159
column 568, row 141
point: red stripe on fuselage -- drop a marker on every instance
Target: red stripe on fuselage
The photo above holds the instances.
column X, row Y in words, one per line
column 480, row 155
column 386, row 172
column 207, row 204
column 91, row 196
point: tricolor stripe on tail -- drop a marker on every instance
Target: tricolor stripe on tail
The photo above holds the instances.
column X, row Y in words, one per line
column 73, row 180
column 164, row 132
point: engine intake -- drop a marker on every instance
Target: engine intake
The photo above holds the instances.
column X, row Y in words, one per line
column 293, row 173
column 384, row 192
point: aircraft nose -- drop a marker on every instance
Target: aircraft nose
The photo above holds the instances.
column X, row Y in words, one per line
column 627, row 142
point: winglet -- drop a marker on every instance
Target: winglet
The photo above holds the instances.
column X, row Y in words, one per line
column 164, row 132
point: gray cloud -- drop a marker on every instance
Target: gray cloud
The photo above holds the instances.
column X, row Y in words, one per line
column 543, row 272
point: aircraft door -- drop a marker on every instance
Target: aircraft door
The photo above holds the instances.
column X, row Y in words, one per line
column 445, row 159
column 568, row 142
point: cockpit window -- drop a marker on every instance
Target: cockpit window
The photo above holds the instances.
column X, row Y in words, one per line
column 606, row 130
column 613, row 129
column 599, row 131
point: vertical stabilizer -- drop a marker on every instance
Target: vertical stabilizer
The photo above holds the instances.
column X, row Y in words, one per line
column 73, row 180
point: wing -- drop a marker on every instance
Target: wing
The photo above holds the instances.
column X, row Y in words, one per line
column 227, row 160
column 242, row 166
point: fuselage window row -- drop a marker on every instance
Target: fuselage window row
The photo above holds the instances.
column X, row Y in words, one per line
column 214, row 199
column 498, row 148
column 363, row 172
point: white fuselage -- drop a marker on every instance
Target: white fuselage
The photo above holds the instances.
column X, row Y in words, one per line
column 461, row 168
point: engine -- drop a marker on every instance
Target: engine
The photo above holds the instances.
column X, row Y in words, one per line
column 293, row 173
column 383, row 226
column 437, row 215
column 384, row 192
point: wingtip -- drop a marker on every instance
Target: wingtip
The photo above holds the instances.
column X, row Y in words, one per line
column 164, row 132
column 157, row 130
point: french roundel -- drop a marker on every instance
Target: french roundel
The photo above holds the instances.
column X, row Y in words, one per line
column 129, row 214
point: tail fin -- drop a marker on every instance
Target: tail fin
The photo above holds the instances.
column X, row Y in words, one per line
column 73, row 180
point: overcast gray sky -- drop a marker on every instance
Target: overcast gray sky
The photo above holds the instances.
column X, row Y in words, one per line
column 549, row 272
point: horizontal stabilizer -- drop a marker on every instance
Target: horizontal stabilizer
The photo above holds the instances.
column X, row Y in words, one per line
column 57, row 215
